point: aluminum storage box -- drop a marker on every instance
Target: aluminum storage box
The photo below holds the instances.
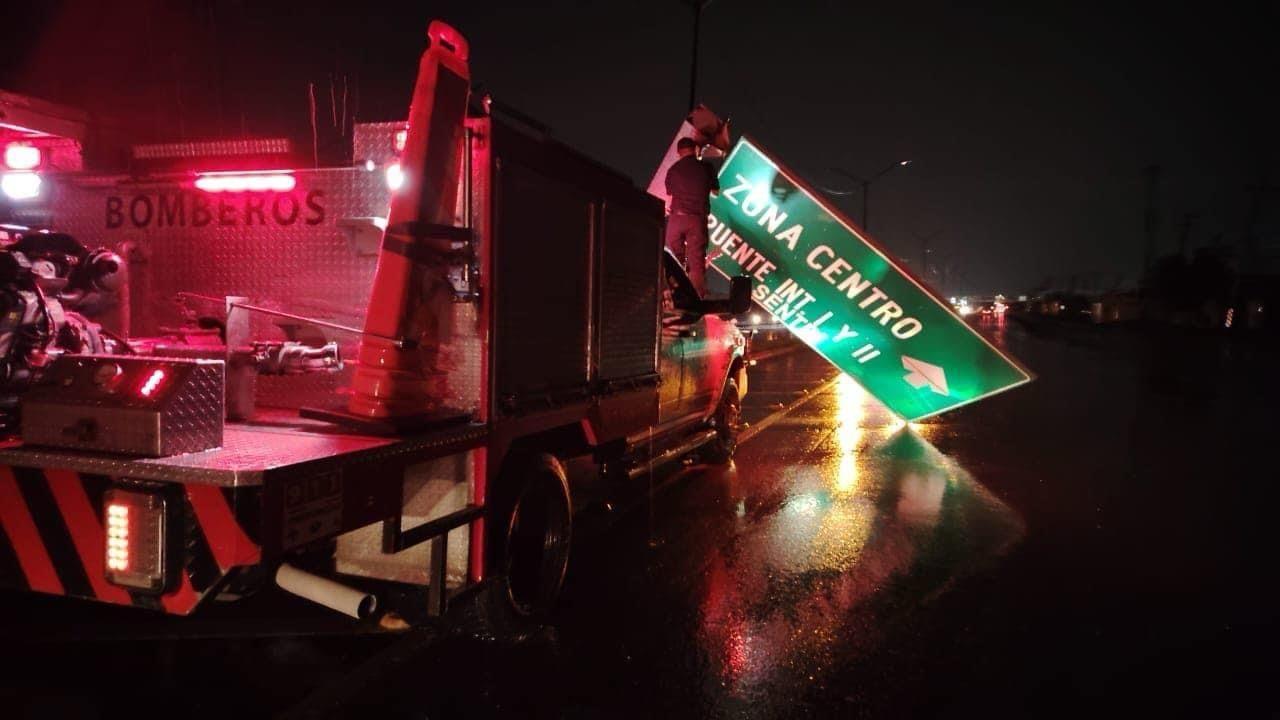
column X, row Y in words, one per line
column 131, row 405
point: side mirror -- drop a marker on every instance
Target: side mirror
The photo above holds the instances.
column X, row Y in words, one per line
column 739, row 294
column 738, row 302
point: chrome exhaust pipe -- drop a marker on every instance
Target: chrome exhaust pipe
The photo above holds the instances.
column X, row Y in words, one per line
column 323, row 591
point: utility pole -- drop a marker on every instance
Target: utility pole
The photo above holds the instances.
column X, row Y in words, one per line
column 1188, row 221
column 1256, row 191
column 697, row 6
column 866, row 186
column 866, row 220
column 924, row 258
column 924, row 251
column 1151, row 217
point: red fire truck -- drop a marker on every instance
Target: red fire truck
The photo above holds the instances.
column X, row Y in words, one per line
column 214, row 377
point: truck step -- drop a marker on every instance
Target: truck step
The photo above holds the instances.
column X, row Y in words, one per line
column 694, row 442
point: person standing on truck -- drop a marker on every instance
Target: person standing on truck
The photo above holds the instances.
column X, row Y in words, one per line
column 690, row 183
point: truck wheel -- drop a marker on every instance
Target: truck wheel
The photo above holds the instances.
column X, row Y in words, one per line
column 725, row 421
column 534, row 529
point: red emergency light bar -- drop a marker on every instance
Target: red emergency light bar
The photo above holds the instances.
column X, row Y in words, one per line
column 252, row 181
column 189, row 150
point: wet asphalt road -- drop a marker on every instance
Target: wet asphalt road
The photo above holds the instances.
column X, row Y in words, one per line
column 1096, row 542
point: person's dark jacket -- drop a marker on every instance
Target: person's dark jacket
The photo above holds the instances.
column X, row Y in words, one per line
column 689, row 183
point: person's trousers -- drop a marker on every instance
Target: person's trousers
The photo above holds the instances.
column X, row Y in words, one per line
column 687, row 239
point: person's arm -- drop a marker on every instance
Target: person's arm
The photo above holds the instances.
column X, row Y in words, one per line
column 713, row 178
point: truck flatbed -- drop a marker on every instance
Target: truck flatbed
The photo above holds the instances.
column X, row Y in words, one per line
column 252, row 452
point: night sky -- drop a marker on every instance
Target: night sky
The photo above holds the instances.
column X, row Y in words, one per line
column 1028, row 128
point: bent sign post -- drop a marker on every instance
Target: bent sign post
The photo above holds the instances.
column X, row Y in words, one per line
column 846, row 298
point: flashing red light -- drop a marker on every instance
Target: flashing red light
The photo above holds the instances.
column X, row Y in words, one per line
column 401, row 137
column 154, row 380
column 20, row 156
column 258, row 181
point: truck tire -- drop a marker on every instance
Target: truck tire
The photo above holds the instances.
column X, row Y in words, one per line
column 725, row 421
column 533, row 529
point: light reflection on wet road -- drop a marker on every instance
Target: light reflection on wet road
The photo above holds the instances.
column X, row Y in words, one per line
column 845, row 520
column 846, row 567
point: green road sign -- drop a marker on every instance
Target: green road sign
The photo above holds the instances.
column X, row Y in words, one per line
column 844, row 296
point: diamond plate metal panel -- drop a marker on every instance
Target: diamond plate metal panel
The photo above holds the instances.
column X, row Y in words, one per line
column 193, row 418
column 75, row 406
column 431, row 490
column 285, row 251
column 375, row 141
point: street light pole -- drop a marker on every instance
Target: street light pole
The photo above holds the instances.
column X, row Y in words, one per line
column 698, row 6
column 866, row 221
column 866, row 186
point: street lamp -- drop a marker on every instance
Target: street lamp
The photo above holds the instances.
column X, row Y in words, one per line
column 866, row 186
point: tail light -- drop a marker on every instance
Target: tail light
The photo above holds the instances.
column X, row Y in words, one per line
column 140, row 530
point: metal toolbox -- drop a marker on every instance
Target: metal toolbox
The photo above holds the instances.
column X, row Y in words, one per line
column 133, row 405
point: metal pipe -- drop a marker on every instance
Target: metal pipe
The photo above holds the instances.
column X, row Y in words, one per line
column 326, row 592
column 398, row 342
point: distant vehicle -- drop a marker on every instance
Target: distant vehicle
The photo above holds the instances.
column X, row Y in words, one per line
column 764, row 332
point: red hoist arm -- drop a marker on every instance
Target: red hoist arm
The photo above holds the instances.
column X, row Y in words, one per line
column 411, row 292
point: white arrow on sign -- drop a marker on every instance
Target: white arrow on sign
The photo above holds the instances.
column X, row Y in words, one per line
column 923, row 373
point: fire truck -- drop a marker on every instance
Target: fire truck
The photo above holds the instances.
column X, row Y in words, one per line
column 213, row 377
